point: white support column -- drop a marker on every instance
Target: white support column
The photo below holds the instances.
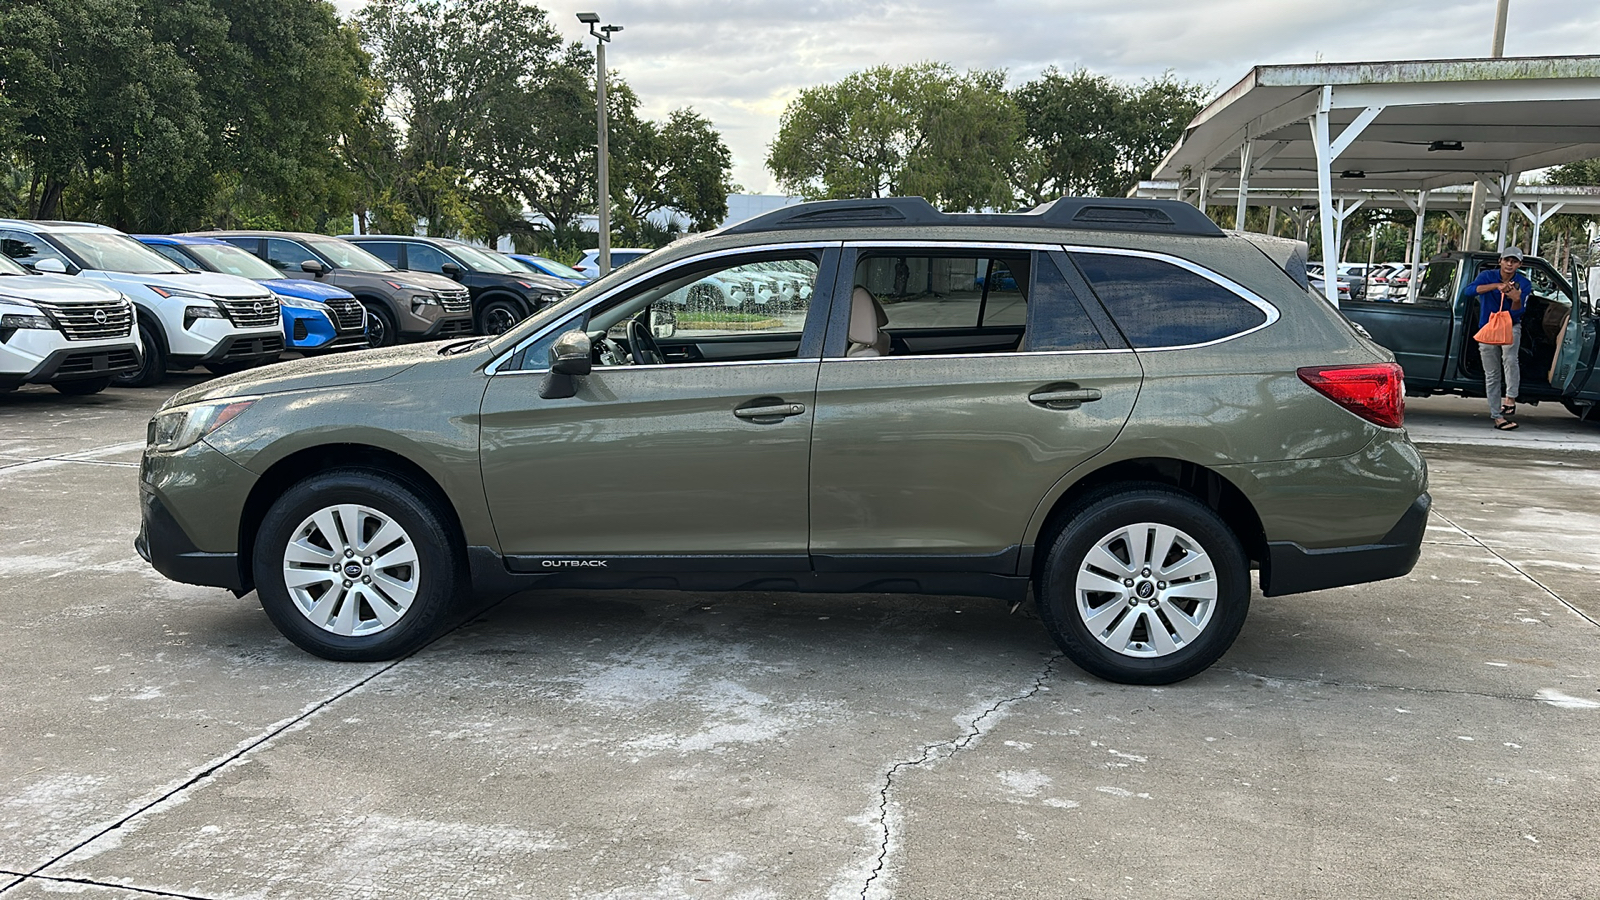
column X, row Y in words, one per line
column 1205, row 191
column 1421, row 209
column 1343, row 210
column 1243, row 205
column 1272, row 220
column 1538, row 216
column 1507, row 184
column 1324, row 150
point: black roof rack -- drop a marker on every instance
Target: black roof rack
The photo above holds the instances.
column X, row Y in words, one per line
column 1087, row 213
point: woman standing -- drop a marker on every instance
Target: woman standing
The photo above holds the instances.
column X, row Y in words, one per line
column 1502, row 289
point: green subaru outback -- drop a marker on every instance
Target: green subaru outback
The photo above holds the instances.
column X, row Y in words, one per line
column 1111, row 402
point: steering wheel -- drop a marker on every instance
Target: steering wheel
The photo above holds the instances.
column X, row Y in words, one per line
column 642, row 344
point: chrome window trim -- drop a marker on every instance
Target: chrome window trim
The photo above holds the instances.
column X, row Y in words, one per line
column 494, row 367
column 1222, row 281
column 861, row 359
column 702, row 364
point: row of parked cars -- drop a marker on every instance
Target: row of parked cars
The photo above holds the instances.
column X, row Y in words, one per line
column 83, row 306
column 1359, row 281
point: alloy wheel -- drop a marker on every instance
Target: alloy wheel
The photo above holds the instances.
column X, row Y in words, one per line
column 1146, row 590
column 351, row 570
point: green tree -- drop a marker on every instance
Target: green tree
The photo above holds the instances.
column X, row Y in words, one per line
column 1088, row 135
column 463, row 75
column 921, row 129
column 680, row 164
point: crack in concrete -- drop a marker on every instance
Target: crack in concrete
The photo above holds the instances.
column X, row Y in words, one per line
column 90, row 882
column 1377, row 686
column 1520, row 571
column 930, row 754
column 239, row 753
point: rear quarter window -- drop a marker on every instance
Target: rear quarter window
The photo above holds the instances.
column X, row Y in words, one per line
column 1159, row 304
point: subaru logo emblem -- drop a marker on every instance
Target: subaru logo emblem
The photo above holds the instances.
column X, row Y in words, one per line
column 100, row 316
column 257, row 307
column 353, row 570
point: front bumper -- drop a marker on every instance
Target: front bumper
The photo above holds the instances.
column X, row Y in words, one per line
column 164, row 545
column 1293, row 569
column 73, row 363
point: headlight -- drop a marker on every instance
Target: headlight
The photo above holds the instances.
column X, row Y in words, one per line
column 181, row 426
column 180, row 293
column 423, row 299
column 11, row 323
column 298, row 303
column 192, row 314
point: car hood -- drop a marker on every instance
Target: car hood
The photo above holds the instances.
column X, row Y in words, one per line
column 425, row 279
column 306, row 290
column 56, row 289
column 311, row 373
column 214, row 283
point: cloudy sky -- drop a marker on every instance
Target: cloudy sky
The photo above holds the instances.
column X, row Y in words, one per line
column 738, row 62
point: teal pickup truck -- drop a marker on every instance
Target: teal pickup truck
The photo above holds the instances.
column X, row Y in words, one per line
column 1432, row 337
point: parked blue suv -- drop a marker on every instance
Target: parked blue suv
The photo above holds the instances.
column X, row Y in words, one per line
column 316, row 317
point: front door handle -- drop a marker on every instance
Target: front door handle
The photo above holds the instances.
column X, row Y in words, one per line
column 1069, row 398
column 768, row 410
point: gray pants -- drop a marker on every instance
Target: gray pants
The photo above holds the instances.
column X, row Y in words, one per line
column 1498, row 360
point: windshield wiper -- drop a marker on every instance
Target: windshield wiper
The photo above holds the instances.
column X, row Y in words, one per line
column 462, row 346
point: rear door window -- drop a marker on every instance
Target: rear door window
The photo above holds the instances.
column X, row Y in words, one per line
column 1157, row 303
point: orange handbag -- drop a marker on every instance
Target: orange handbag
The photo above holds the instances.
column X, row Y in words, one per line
column 1498, row 329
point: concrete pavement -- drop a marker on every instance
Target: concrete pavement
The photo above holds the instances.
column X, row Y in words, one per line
column 1425, row 736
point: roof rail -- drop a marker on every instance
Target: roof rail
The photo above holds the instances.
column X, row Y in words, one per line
column 1086, row 213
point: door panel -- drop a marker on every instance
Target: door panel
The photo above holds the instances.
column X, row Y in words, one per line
column 948, row 456
column 651, row 460
column 1417, row 334
column 1575, row 353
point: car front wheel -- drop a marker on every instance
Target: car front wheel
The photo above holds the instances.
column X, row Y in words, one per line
column 355, row 565
column 1144, row 586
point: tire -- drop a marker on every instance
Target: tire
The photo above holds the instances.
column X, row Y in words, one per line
column 1118, row 633
column 1586, row 413
column 381, row 328
column 83, row 387
column 154, row 367
column 498, row 316
column 386, row 602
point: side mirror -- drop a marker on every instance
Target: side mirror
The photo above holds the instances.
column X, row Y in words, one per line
column 569, row 358
column 50, row 266
column 451, row 270
column 313, row 267
column 663, row 323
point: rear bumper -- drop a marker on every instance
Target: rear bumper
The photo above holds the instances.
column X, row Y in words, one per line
column 1293, row 569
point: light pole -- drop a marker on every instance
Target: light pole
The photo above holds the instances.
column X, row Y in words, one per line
column 602, row 36
column 1474, row 230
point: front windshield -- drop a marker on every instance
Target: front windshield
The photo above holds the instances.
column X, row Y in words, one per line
column 484, row 261
column 346, row 255
column 117, row 253
column 557, row 269
column 231, row 260
column 7, row 267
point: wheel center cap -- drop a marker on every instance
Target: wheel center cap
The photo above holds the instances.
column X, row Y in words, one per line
column 1145, row 590
column 352, row 570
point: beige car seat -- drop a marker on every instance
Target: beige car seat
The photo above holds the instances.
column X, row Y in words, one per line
column 867, row 318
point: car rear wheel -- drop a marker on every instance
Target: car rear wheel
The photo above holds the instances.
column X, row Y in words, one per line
column 1590, row 413
column 83, row 386
column 1144, row 585
column 355, row 565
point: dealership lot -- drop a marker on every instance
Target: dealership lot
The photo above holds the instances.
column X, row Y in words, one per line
column 1433, row 734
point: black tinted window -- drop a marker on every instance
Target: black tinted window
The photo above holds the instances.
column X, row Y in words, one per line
column 1057, row 320
column 388, row 251
column 287, row 256
column 1158, row 304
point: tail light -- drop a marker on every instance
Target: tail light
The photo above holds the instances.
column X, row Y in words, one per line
column 1375, row 392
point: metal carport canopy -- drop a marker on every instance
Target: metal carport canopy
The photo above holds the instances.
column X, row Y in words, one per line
column 1397, row 125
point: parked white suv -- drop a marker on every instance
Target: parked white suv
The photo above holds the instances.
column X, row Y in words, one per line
column 185, row 319
column 72, row 335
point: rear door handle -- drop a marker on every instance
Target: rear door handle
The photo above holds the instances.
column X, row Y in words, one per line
column 1064, row 399
column 765, row 412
